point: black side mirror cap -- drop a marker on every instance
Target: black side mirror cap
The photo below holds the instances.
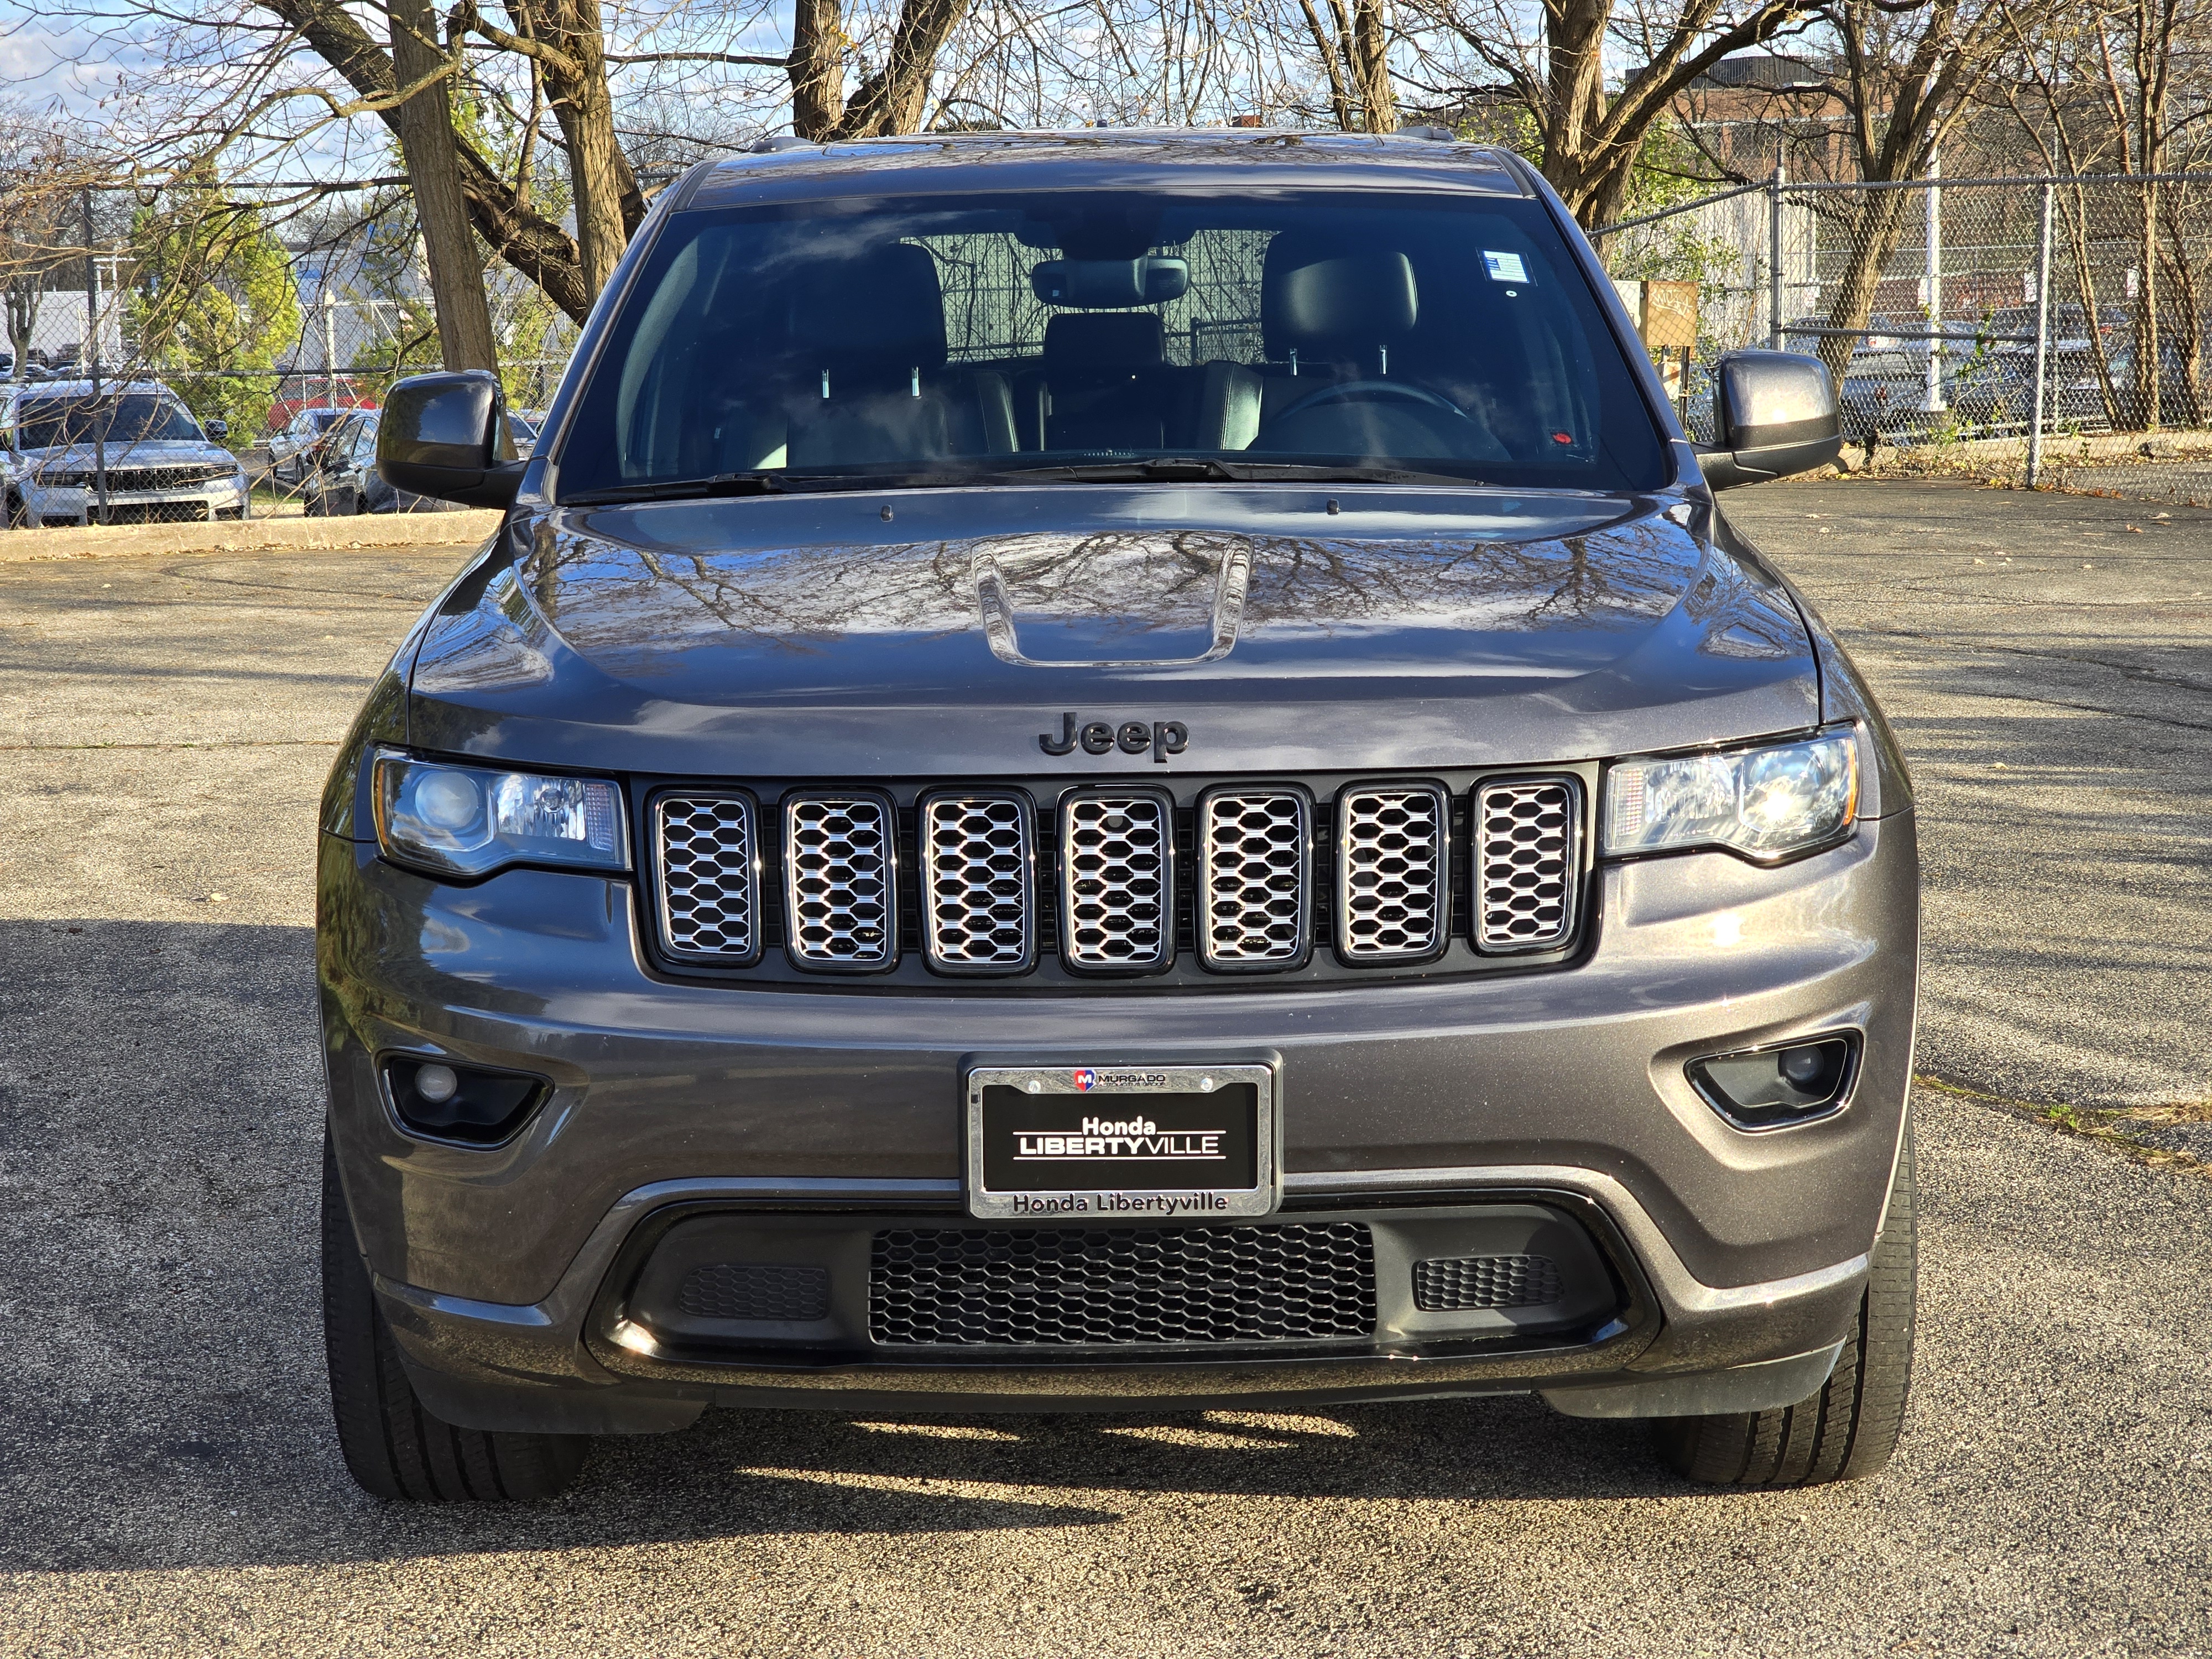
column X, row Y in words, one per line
column 217, row 429
column 1774, row 413
column 446, row 435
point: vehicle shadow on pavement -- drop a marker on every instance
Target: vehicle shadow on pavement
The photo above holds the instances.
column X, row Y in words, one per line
column 163, row 1399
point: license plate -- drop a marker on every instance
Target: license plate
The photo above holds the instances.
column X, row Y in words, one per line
column 1107, row 1143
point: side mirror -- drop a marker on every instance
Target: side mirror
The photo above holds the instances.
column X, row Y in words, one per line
column 446, row 435
column 217, row 428
column 1774, row 413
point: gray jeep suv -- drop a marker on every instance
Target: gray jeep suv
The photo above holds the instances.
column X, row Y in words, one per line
column 1113, row 772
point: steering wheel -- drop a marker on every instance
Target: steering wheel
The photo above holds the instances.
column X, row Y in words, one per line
column 1369, row 391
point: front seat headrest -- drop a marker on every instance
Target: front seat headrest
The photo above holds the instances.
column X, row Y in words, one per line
column 1315, row 299
column 881, row 309
column 1105, row 339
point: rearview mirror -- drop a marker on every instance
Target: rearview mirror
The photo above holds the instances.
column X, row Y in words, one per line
column 1774, row 413
column 1109, row 284
column 446, row 435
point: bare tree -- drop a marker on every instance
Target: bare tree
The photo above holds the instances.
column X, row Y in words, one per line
column 1353, row 47
column 1551, row 63
column 2125, row 86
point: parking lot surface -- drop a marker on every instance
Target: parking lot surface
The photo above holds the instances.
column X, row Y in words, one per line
column 169, row 1481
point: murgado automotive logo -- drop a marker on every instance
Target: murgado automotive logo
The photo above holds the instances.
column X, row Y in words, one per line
column 1086, row 1079
column 1163, row 738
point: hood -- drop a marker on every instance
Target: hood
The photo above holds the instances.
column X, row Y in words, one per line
column 72, row 457
column 915, row 633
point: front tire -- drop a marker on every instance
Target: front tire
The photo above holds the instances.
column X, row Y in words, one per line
column 1850, row 1429
column 393, row 1447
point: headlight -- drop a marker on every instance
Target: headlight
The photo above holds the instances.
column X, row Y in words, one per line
column 1766, row 803
column 470, row 820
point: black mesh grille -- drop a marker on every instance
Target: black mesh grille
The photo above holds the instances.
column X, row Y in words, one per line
column 122, row 479
column 755, row 1289
column 1459, row 1283
column 1121, row 1285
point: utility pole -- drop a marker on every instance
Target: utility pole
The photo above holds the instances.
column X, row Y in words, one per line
column 1931, row 282
column 1774, row 256
column 92, row 367
column 2042, row 342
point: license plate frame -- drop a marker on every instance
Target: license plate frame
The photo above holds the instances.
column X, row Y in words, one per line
column 1181, row 1098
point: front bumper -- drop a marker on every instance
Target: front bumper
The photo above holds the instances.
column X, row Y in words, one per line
column 47, row 506
column 506, row 1274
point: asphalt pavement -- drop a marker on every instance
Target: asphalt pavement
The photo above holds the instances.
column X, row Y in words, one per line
column 169, row 1481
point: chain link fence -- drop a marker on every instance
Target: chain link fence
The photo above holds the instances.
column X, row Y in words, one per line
column 143, row 324
column 2035, row 331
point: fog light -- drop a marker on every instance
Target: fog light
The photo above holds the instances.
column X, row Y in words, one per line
column 1772, row 1088
column 464, row 1103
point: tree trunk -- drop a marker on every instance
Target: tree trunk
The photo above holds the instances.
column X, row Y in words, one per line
column 2147, row 338
column 1881, row 226
column 897, row 97
column 433, row 174
column 532, row 244
column 816, row 67
column 25, row 290
column 1371, row 64
column 1574, row 87
column 607, row 201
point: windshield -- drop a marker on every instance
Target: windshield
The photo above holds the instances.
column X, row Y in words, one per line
column 1088, row 333
column 134, row 417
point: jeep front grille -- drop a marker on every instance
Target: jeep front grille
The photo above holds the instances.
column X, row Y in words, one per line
column 1075, row 886
column 1252, row 878
column 1525, row 833
column 978, row 905
column 1022, row 1287
column 709, row 888
column 840, row 889
column 123, row 480
column 1392, row 881
column 1117, row 883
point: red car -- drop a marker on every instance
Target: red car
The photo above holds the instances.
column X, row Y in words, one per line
column 340, row 396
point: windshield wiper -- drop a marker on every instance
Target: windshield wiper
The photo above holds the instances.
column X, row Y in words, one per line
column 676, row 489
column 1170, row 469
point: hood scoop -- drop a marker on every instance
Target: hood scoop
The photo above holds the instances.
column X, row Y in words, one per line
column 1112, row 600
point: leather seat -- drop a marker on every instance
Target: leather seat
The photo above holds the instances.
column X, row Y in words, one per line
column 868, row 343
column 1331, row 319
column 1108, row 380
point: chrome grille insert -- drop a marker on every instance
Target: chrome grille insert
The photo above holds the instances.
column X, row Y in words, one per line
column 1252, row 878
column 1527, row 833
column 708, row 878
column 1117, row 883
column 978, row 909
column 840, row 896
column 1391, row 864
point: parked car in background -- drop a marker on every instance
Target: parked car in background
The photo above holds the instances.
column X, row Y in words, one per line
column 343, row 479
column 340, row 394
column 162, row 465
column 292, row 452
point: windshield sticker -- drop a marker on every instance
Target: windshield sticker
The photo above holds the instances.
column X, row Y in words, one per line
column 1504, row 267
